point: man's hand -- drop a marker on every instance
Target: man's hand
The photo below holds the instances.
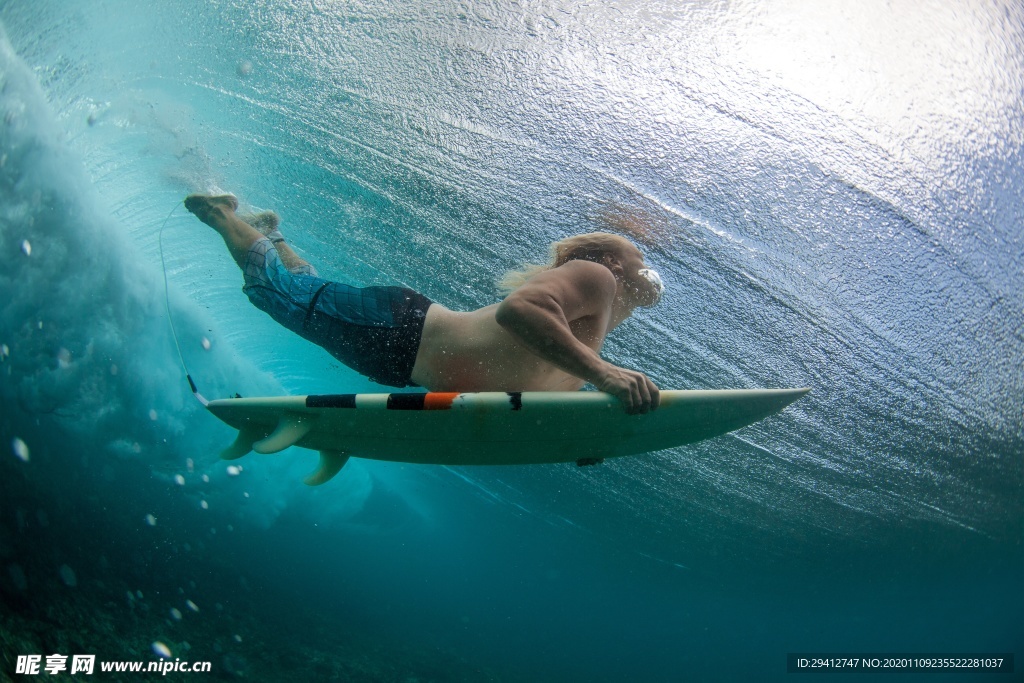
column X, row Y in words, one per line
column 538, row 314
column 637, row 393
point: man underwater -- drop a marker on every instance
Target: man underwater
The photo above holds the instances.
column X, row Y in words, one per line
column 546, row 335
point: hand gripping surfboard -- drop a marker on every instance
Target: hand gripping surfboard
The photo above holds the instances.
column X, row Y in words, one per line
column 485, row 428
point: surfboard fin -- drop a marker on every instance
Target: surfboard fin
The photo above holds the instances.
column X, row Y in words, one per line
column 331, row 463
column 290, row 428
column 242, row 445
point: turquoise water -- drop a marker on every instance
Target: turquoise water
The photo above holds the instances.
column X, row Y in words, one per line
column 836, row 195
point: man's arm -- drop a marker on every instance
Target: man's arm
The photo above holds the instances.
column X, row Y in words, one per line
column 539, row 312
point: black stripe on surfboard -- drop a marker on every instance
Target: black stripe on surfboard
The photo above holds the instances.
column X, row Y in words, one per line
column 402, row 401
column 406, row 401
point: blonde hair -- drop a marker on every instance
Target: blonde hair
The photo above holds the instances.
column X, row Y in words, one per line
column 589, row 247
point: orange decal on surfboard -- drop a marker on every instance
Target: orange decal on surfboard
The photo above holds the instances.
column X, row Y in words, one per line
column 439, row 400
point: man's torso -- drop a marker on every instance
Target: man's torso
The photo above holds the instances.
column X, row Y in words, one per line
column 472, row 352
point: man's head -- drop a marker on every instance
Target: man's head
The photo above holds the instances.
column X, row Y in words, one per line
column 641, row 285
column 592, row 246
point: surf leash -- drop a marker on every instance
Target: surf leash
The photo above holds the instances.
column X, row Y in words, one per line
column 167, row 305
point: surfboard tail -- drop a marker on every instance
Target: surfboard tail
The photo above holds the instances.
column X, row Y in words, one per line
column 331, row 463
column 290, row 429
column 242, row 445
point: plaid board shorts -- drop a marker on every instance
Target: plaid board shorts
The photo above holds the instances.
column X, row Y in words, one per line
column 376, row 331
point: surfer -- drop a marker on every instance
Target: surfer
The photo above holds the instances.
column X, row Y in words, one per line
column 546, row 335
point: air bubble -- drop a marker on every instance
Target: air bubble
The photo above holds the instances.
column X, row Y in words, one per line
column 20, row 449
column 67, row 575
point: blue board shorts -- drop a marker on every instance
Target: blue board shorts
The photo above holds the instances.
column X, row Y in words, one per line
column 376, row 331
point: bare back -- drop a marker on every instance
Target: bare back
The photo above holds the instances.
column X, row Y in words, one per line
column 472, row 352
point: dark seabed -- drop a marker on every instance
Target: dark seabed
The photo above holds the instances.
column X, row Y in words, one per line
column 835, row 198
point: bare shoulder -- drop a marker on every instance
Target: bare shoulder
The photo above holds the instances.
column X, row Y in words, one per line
column 577, row 288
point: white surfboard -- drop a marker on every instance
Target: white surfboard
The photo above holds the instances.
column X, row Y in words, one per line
column 485, row 428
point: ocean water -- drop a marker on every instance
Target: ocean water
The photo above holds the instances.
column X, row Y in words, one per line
column 835, row 198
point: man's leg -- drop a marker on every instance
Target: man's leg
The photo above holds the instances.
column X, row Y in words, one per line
column 219, row 213
column 291, row 260
column 266, row 223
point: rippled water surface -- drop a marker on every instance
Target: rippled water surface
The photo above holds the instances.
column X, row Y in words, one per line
column 832, row 191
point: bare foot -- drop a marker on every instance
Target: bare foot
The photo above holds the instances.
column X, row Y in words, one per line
column 211, row 209
column 265, row 221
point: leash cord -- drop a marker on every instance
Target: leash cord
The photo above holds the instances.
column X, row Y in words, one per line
column 167, row 305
